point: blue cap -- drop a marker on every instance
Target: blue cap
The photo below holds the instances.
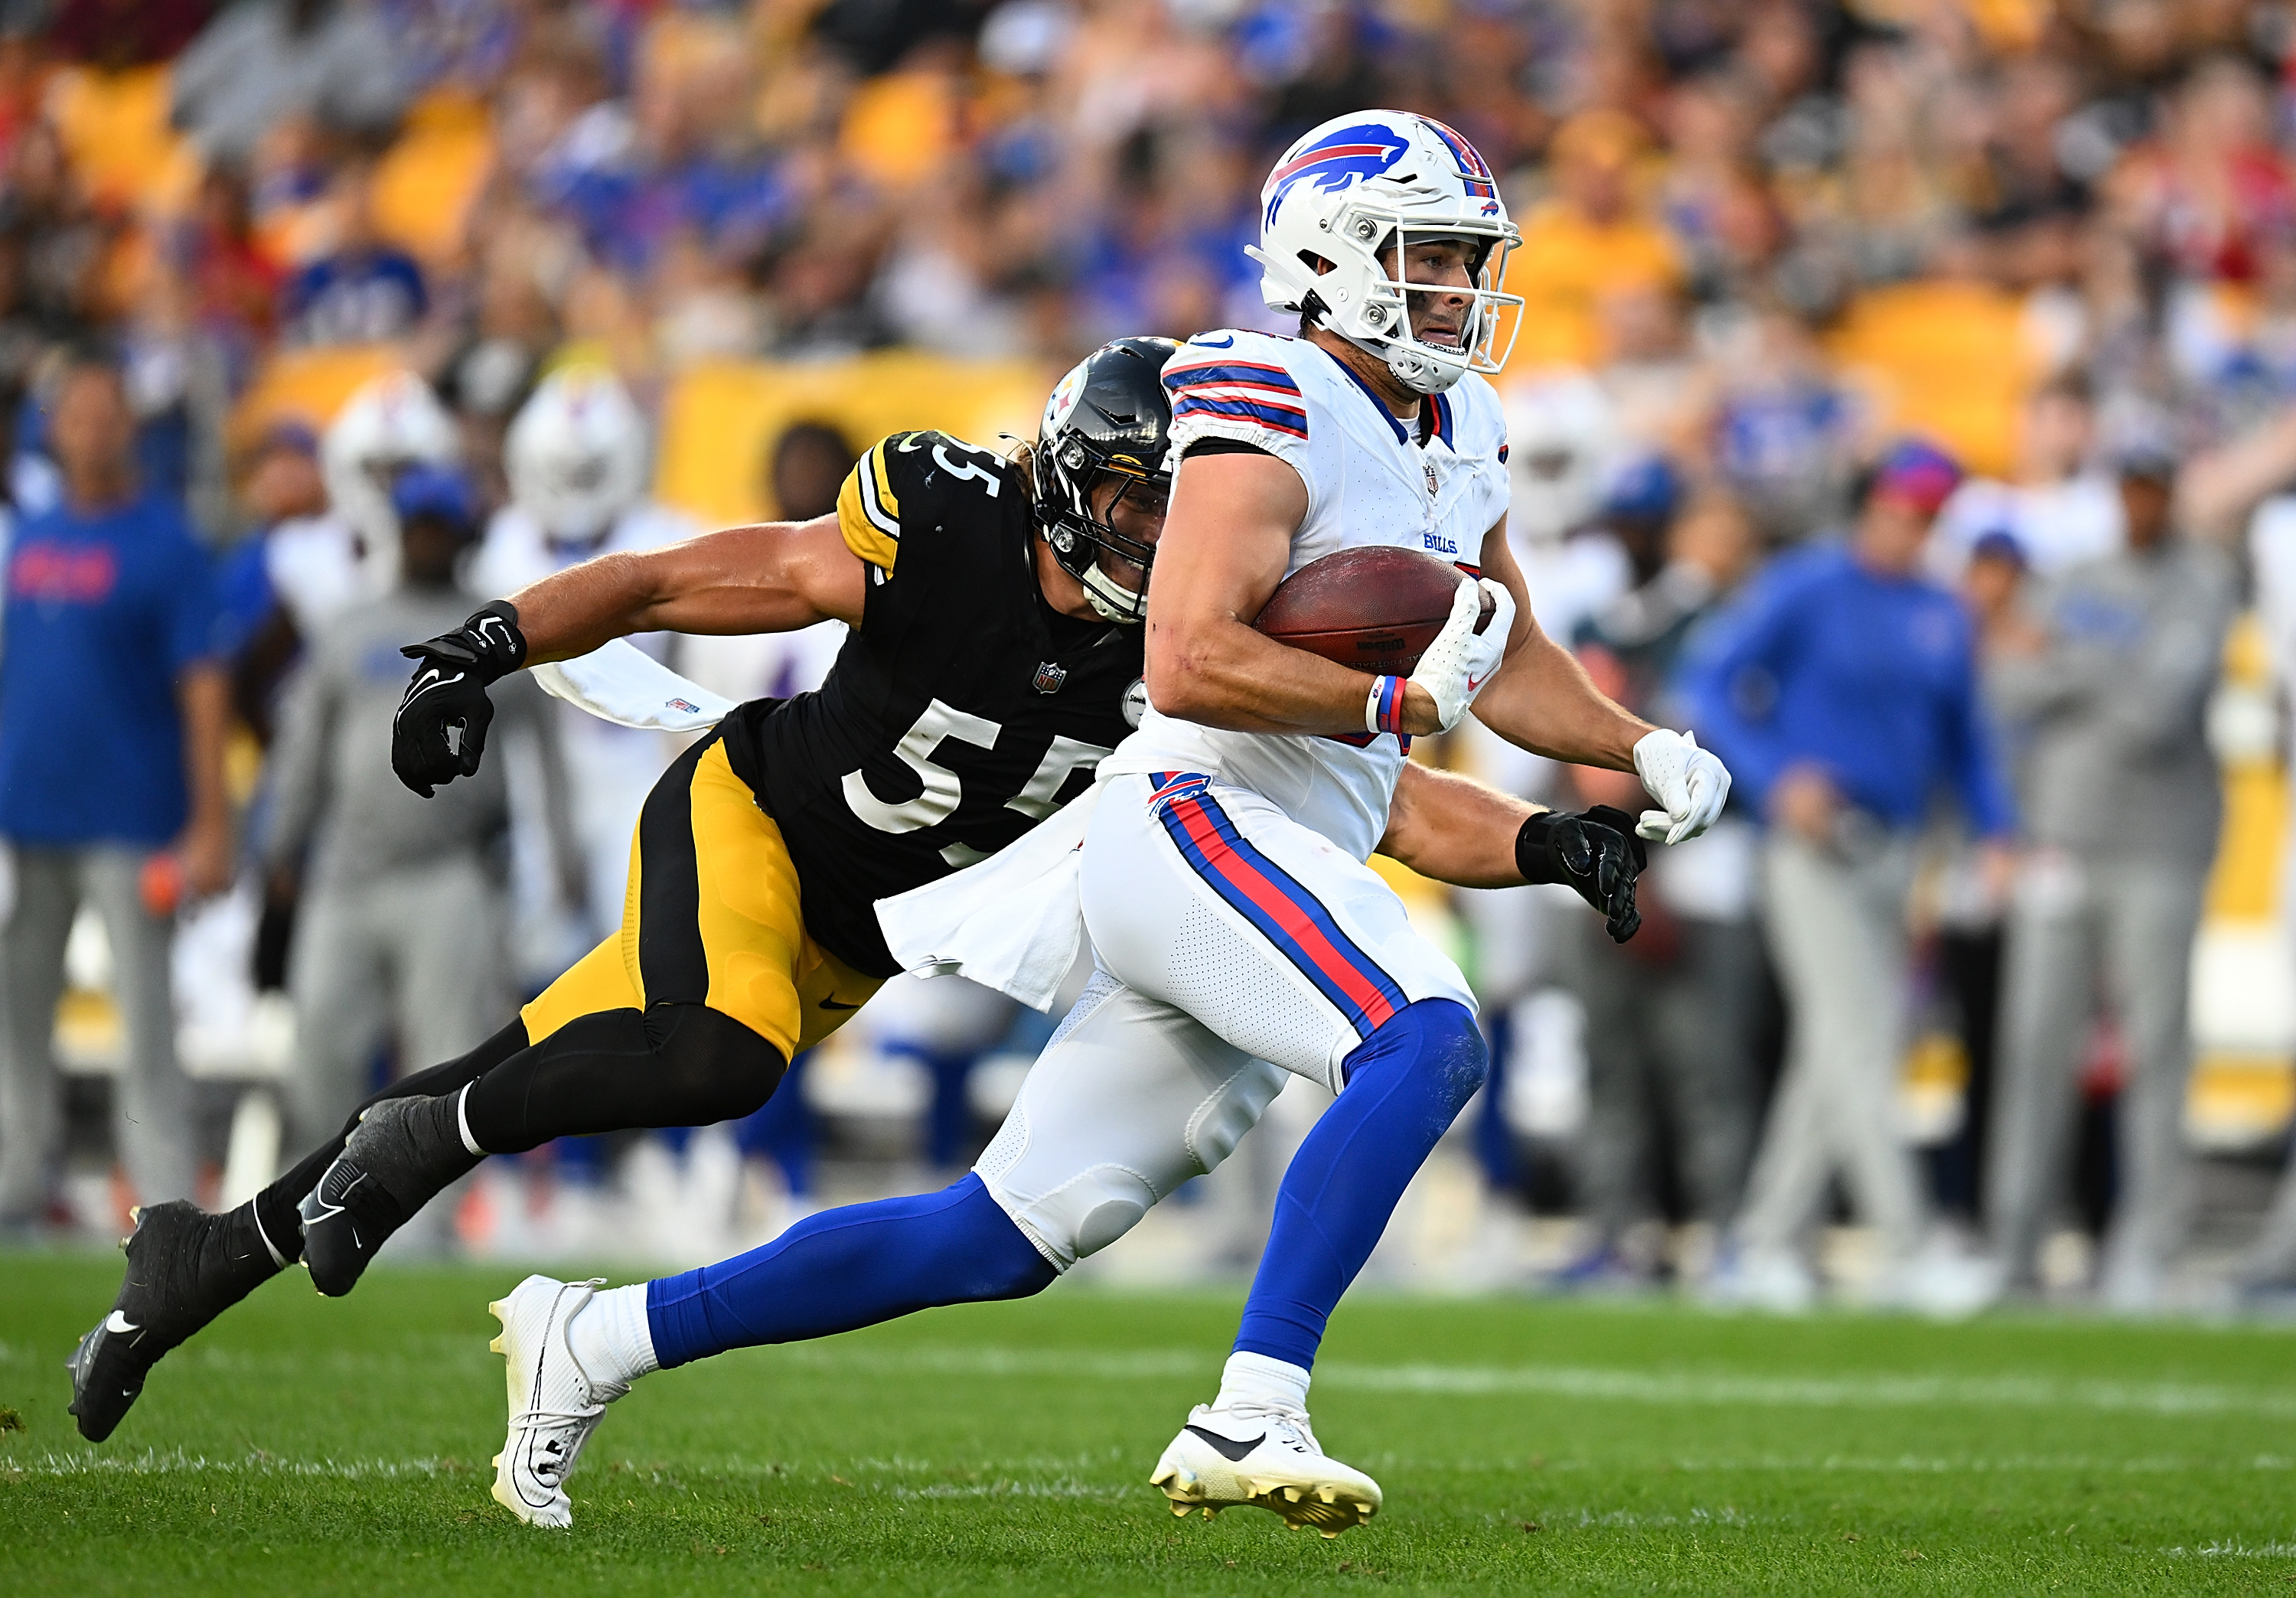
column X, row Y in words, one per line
column 442, row 491
column 1647, row 489
column 1999, row 544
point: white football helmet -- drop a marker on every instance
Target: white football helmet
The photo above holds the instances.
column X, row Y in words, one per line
column 577, row 454
column 1560, row 427
column 393, row 421
column 1357, row 192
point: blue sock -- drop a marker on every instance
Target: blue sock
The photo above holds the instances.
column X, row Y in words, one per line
column 845, row 1268
column 1405, row 1086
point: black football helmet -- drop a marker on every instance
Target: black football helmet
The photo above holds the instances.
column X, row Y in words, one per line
column 1109, row 417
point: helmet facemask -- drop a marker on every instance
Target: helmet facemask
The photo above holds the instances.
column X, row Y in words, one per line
column 1082, row 537
column 1366, row 296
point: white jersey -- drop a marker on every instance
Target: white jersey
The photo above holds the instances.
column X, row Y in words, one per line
column 1371, row 483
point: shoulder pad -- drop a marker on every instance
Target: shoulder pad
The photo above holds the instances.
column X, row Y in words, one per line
column 912, row 470
column 1235, row 384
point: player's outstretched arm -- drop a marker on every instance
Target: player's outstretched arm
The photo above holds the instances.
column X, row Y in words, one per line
column 771, row 578
column 1453, row 829
column 1458, row 830
column 774, row 576
column 1225, row 544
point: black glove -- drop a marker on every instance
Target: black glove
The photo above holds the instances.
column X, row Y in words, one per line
column 1595, row 852
column 448, row 694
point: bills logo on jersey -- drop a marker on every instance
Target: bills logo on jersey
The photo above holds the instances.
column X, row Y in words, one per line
column 1344, row 156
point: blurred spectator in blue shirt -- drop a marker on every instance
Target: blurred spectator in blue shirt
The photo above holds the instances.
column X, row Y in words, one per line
column 361, row 292
column 112, row 709
column 1843, row 696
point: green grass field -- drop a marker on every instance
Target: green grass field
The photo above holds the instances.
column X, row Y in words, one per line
column 304, row 1446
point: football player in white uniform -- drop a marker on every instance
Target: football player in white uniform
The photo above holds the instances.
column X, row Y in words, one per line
column 393, row 421
column 1238, row 932
column 576, row 456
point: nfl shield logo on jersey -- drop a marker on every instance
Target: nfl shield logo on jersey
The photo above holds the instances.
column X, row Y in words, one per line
column 1050, row 676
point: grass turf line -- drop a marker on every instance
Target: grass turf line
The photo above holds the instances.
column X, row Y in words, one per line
column 306, row 1447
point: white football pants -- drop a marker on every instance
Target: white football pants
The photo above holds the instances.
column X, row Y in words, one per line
column 1233, row 944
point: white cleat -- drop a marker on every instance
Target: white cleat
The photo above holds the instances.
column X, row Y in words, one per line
column 1267, row 1457
column 555, row 1405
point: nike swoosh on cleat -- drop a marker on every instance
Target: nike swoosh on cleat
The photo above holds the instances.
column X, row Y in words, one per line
column 120, row 1324
column 1227, row 1447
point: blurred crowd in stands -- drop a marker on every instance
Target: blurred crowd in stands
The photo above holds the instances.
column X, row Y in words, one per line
column 1904, row 400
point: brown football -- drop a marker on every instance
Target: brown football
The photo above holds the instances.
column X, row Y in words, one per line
column 1375, row 609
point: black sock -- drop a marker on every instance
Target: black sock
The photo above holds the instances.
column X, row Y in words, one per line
column 420, row 1155
column 274, row 1209
column 240, row 1254
column 614, row 1071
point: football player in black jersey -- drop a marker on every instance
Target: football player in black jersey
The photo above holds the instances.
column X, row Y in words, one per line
column 993, row 604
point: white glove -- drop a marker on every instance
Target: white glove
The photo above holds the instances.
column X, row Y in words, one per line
column 1461, row 660
column 1689, row 782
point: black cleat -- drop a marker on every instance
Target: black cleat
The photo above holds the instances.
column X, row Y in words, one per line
column 184, row 1267
column 399, row 1156
column 347, row 1219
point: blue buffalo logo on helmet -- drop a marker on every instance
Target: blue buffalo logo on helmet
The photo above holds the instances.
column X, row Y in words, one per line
column 1343, row 211
column 1341, row 156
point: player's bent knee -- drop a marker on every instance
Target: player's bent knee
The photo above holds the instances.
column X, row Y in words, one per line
column 1434, row 1036
column 1082, row 1215
column 712, row 1067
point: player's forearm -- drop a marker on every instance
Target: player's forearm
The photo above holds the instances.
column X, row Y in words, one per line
column 1454, row 829
column 1222, row 674
column 767, row 578
column 1543, row 700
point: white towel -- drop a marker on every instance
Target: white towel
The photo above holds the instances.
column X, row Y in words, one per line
column 619, row 682
column 1013, row 921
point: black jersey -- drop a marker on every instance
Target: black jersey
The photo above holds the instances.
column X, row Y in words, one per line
column 962, row 711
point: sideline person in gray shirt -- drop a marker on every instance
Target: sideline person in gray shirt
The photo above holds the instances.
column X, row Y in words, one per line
column 2121, row 806
column 401, row 929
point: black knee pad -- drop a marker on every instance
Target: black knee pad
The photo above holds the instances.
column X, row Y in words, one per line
column 621, row 1070
column 710, row 1064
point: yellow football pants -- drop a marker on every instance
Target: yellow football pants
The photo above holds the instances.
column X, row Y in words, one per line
column 713, row 915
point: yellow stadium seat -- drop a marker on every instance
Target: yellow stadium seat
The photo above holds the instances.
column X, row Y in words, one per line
column 720, row 420
column 1947, row 359
column 897, row 127
column 114, row 129
column 307, row 386
column 1566, row 268
column 426, row 183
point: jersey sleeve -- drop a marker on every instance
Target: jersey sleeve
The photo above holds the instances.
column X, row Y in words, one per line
column 910, row 483
column 869, row 507
column 1236, row 385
